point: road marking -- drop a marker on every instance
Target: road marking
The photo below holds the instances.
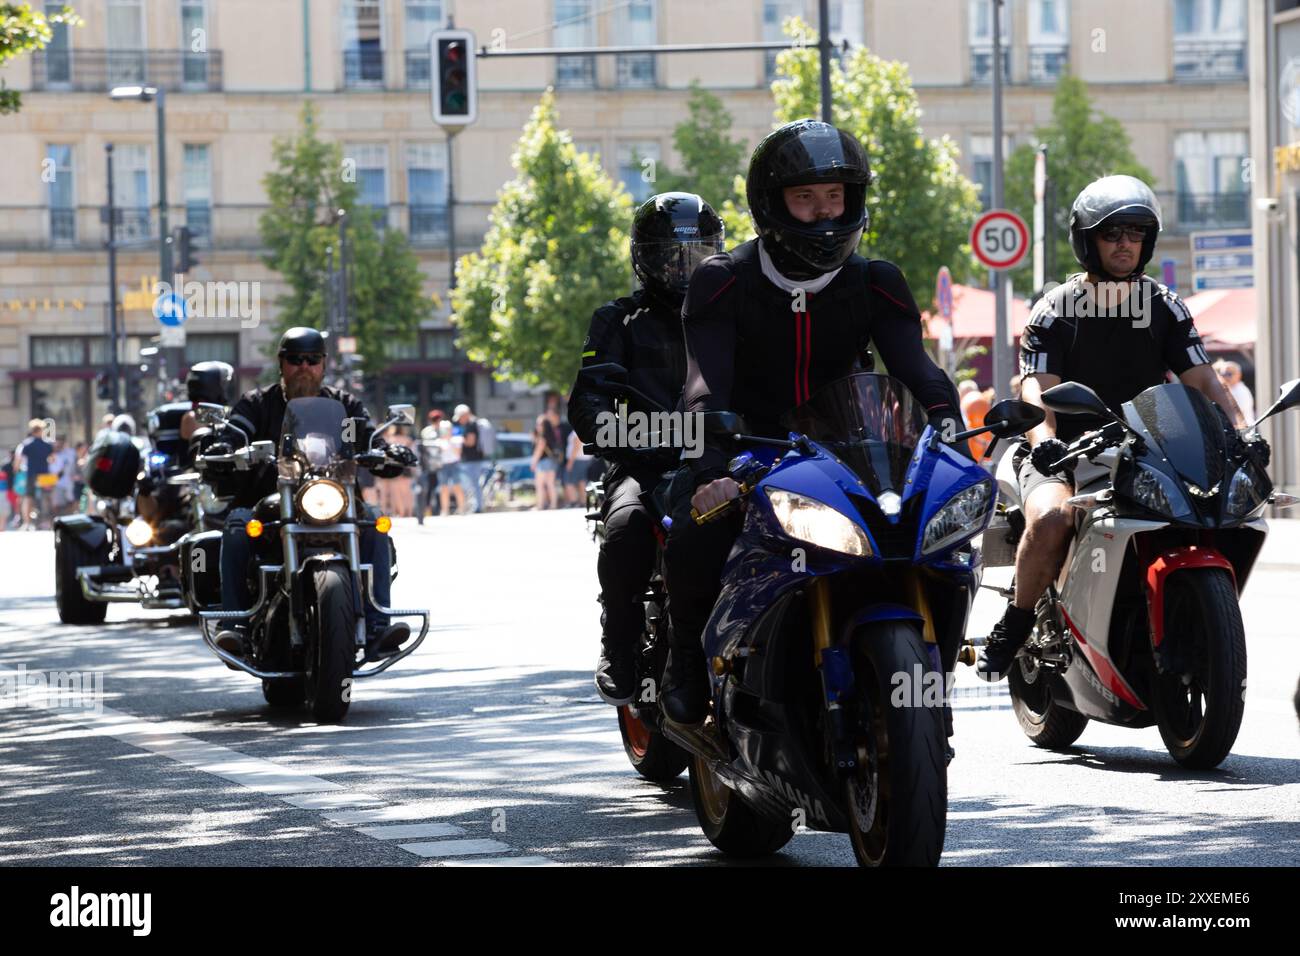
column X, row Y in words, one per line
column 412, row 831
column 504, row 861
column 397, row 814
column 456, row 848
column 331, row 800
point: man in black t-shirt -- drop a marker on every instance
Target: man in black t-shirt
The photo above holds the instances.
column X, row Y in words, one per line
column 472, row 460
column 1117, row 331
column 32, row 458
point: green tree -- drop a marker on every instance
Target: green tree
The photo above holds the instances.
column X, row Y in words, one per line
column 1082, row 145
column 555, row 249
column 23, row 30
column 921, row 205
column 711, row 159
column 310, row 184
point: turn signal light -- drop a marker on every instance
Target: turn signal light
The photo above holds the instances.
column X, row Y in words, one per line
column 383, row 524
column 254, row 528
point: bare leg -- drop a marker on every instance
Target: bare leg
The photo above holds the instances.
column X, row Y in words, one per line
column 1042, row 550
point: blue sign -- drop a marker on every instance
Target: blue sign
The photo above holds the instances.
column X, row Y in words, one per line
column 1223, row 262
column 943, row 292
column 1168, row 275
column 169, row 309
column 1212, row 242
column 1226, row 281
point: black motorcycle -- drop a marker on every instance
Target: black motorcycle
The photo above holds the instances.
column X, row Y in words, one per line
column 307, row 625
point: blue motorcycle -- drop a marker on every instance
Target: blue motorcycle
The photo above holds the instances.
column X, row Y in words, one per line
column 843, row 608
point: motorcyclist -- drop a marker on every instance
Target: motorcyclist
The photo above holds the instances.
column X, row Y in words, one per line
column 766, row 326
column 259, row 416
column 1117, row 331
column 207, row 383
column 671, row 234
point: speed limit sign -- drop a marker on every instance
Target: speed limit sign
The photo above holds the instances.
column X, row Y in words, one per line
column 1000, row 239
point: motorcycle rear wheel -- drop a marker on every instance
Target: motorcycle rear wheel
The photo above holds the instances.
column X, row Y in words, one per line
column 729, row 822
column 1045, row 721
column 651, row 754
column 69, row 555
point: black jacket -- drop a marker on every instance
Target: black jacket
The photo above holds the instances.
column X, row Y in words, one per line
column 259, row 416
column 644, row 336
column 749, row 350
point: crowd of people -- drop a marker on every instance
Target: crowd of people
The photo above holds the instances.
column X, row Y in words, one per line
column 40, row 480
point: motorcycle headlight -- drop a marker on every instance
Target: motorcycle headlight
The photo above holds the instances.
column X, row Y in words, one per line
column 1245, row 494
column 322, row 500
column 139, row 532
column 810, row 520
column 1154, row 491
column 961, row 517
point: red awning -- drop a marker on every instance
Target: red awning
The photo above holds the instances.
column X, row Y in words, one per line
column 974, row 313
column 1225, row 315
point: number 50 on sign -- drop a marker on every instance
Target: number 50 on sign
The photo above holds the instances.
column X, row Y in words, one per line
column 1000, row 239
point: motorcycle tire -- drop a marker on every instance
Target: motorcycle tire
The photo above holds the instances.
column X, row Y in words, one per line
column 728, row 822
column 651, row 754
column 69, row 555
column 328, row 682
column 285, row 693
column 1045, row 721
column 897, row 802
column 1199, row 721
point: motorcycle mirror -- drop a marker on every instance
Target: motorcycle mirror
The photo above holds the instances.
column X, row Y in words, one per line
column 402, row 414
column 1288, row 397
column 1071, row 398
column 723, row 425
column 209, row 414
column 262, row 451
column 1013, row 417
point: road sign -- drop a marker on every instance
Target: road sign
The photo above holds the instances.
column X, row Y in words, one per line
column 169, row 309
column 1000, row 239
column 1169, row 274
column 943, row 292
column 172, row 337
column 1223, row 259
column 1223, row 280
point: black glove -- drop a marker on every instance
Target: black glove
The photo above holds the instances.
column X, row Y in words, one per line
column 217, row 467
column 947, row 423
column 1253, row 447
column 402, row 455
column 1048, row 452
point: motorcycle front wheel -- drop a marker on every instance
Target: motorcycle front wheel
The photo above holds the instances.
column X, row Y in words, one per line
column 328, row 682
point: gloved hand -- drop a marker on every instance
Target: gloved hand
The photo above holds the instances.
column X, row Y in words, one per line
column 1047, row 452
column 1253, row 447
column 217, row 467
column 402, row 455
column 948, row 423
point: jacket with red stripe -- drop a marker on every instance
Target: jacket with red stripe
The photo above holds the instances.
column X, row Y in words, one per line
column 750, row 350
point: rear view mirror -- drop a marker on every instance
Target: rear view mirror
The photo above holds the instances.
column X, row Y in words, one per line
column 721, row 426
column 209, row 414
column 1013, row 417
column 402, row 414
column 1288, row 397
column 1071, row 398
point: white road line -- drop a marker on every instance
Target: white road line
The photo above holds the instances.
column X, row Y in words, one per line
column 332, row 800
column 412, row 831
column 456, row 848
column 503, row 861
column 411, row 811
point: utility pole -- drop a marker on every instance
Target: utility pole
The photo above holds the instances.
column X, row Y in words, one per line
column 824, row 51
column 1001, row 358
column 115, row 372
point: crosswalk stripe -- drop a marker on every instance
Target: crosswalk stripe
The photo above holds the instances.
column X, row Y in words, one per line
column 456, row 848
column 412, row 831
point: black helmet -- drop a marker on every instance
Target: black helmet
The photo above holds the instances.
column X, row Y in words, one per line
column 301, row 340
column 207, row 381
column 798, row 154
column 1115, row 201
column 672, row 233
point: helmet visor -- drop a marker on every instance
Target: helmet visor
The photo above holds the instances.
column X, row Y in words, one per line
column 672, row 262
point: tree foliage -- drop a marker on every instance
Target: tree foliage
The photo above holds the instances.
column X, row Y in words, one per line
column 556, row 248
column 309, row 186
column 23, row 30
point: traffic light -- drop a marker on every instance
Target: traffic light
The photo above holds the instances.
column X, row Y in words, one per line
column 184, row 258
column 455, row 93
column 103, row 390
column 134, row 394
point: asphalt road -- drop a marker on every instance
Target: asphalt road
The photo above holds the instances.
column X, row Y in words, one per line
column 490, row 746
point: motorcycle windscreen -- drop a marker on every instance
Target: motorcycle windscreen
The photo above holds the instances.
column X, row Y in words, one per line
column 870, row 421
column 316, row 425
column 1189, row 429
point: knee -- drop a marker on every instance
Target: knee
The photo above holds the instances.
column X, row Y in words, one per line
column 1050, row 524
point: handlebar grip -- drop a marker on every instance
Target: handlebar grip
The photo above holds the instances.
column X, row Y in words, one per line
column 590, row 449
column 717, row 512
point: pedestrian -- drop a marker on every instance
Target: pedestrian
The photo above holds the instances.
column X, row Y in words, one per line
column 449, row 483
column 576, row 468
column 430, row 464
column 1230, row 375
column 473, row 460
column 548, row 453
column 974, row 406
column 33, row 462
column 79, row 480
column 396, row 496
column 8, row 497
column 63, row 465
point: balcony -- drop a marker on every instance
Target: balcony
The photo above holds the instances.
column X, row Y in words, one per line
column 97, row 71
column 635, row 70
column 418, row 72
column 428, row 224
column 575, row 71
column 134, row 224
column 1209, row 61
column 1047, row 63
column 63, row 226
column 981, row 65
column 363, row 69
column 1212, row 210
column 198, row 217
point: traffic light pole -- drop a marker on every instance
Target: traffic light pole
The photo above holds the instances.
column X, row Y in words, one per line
column 451, row 205
column 115, row 372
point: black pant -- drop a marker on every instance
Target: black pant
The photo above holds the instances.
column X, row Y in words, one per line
column 626, row 561
column 693, row 566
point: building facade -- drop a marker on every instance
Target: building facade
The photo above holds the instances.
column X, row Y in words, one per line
column 238, row 72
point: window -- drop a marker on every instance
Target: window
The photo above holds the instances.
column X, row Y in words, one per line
column 196, row 186
column 363, row 54
column 212, row 348
column 1209, row 39
column 575, row 25
column 1049, row 40
column 1212, row 191
column 372, row 176
column 981, row 157
column 981, row 41
column 426, row 190
column 635, row 26
column 58, row 351
column 846, row 23
column 194, row 30
column 423, row 17
column 775, row 13
column 636, row 167
column 63, row 203
column 131, row 190
column 590, row 146
column 58, row 62
column 125, row 42
column 440, row 345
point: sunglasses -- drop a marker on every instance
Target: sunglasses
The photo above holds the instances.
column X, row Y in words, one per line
column 303, row 359
column 1113, row 233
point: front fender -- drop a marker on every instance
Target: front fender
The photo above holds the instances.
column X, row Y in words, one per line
column 90, row 530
